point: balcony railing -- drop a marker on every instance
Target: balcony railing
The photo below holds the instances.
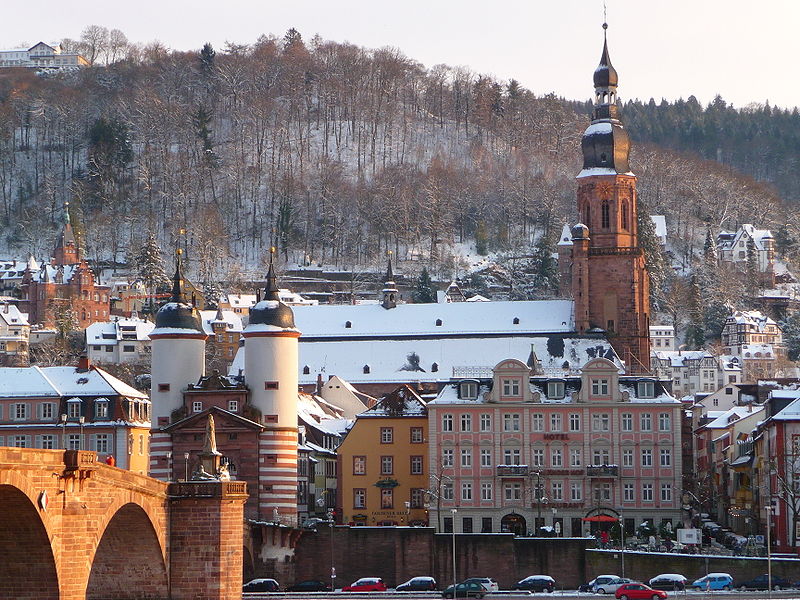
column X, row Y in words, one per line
column 512, row 470
column 602, row 471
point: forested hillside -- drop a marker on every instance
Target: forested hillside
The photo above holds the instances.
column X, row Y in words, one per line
column 337, row 154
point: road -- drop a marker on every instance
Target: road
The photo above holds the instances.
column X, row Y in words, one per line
column 507, row 595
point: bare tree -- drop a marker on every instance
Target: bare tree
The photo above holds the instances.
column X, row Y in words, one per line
column 93, row 43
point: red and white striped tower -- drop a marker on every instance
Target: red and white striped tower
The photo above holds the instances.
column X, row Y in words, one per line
column 271, row 374
column 178, row 359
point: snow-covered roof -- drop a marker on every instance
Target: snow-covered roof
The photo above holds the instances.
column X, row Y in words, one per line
column 757, row 351
column 12, row 316
column 678, row 358
column 566, row 236
column 414, row 320
column 750, row 317
column 729, row 239
column 402, row 402
column 112, row 332
column 233, row 322
column 54, row 382
column 731, row 415
column 791, row 412
column 600, row 171
column 660, row 223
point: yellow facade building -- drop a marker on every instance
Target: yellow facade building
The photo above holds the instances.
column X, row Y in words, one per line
column 383, row 478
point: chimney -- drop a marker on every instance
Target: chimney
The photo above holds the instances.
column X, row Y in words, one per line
column 319, row 384
column 84, row 364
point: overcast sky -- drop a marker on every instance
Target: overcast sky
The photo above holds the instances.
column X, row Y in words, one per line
column 745, row 50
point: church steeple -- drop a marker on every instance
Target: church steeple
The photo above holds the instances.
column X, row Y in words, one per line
column 389, row 288
column 66, row 250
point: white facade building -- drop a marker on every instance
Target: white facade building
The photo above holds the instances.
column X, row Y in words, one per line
column 121, row 341
column 42, row 56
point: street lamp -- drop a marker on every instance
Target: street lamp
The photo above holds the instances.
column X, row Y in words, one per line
column 64, row 429
column 186, row 466
column 169, row 465
column 622, row 543
column 768, row 510
column 454, row 511
column 80, row 439
column 333, row 568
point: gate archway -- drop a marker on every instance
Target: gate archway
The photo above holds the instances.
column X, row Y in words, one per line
column 26, row 549
column 514, row 523
column 128, row 562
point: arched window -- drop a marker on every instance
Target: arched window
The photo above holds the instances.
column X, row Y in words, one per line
column 438, row 322
column 348, row 325
column 516, row 320
column 366, row 369
column 624, row 215
column 306, row 370
column 586, row 215
column 604, row 215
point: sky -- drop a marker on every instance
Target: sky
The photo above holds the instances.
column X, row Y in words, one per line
column 744, row 50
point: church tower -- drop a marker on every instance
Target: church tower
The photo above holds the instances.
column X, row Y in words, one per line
column 271, row 374
column 610, row 283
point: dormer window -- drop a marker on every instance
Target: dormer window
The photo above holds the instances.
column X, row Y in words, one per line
column 438, row 322
column 469, row 390
column 516, row 321
column 306, row 370
column 646, row 389
column 600, row 387
column 366, row 369
column 511, row 387
column 435, row 368
column 348, row 324
column 555, row 390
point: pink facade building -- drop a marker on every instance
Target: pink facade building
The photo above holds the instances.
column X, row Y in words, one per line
column 519, row 450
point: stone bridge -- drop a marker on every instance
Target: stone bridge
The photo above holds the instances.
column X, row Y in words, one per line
column 72, row 528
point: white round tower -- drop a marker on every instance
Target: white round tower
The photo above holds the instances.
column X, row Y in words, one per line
column 270, row 371
column 177, row 352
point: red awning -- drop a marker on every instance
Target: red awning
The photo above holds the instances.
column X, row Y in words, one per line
column 602, row 519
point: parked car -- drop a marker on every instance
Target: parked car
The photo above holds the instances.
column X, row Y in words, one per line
column 417, row 584
column 366, row 584
column 311, row 585
column 668, row 581
column 489, row 584
column 261, row 585
column 760, row 583
column 536, row 583
column 638, row 591
column 714, row 581
column 611, row 587
column 599, row 580
column 466, row 589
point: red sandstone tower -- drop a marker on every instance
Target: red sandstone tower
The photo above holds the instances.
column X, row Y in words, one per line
column 610, row 283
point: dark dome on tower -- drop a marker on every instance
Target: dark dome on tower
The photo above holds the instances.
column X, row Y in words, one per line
column 178, row 313
column 605, row 75
column 271, row 311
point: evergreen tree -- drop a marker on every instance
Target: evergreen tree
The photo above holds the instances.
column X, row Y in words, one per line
column 714, row 315
column 752, row 269
column 201, row 121
column 695, row 333
column 424, row 293
column 212, row 292
column 791, row 335
column 655, row 261
column 207, row 55
column 150, row 267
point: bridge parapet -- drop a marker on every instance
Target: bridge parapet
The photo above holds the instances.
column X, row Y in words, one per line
column 208, row 489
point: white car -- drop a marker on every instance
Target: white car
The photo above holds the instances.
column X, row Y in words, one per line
column 489, row 584
column 599, row 581
column 610, row 587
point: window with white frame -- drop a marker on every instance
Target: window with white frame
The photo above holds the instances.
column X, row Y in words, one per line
column 486, row 491
column 73, row 441
column 537, row 422
column 646, row 389
column 627, row 422
column 666, row 492
column 511, row 422
column 602, row 492
column 387, row 498
column 74, row 408
column 575, row 422
column 627, row 457
column 197, row 406
column 600, row 422
column 511, row 387
column 359, row 498
column 575, row 491
column 466, row 458
column 646, row 422
column 512, row 491
column 647, row 492
column 469, row 390
column 387, row 465
column 664, row 422
column 466, row 422
column 101, row 443
column 511, row 456
column 555, row 422
column 486, row 457
column 575, row 457
column 647, row 457
column 665, row 458
column 20, row 441
column 447, row 457
column 101, row 409
column 600, row 387
column 600, row 456
column 19, row 411
column 233, row 406
column 537, row 455
column 447, row 422
column 447, row 491
column 466, row 490
column 417, row 435
column 557, row 491
column 555, row 389
column 628, row 493
column 416, row 465
column 47, row 410
column 556, row 458
column 387, row 435
column 486, row 422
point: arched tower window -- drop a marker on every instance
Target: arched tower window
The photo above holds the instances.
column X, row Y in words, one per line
column 604, row 215
column 624, row 215
column 586, row 215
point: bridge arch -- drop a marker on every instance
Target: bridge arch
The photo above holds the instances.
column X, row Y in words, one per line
column 26, row 549
column 128, row 561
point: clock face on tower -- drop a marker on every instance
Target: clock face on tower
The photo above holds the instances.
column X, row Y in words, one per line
column 604, row 190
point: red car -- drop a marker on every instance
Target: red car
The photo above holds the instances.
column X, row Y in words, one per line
column 366, row 584
column 639, row 591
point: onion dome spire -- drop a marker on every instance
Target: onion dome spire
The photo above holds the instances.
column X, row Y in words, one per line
column 389, row 287
column 270, row 311
column 177, row 280
column 177, row 313
column 605, row 144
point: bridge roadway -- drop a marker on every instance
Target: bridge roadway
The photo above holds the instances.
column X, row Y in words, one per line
column 514, row 595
